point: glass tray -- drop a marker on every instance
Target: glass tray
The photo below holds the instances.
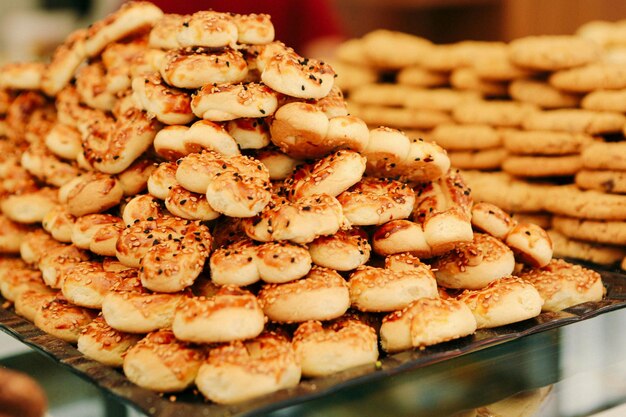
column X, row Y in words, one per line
column 188, row 403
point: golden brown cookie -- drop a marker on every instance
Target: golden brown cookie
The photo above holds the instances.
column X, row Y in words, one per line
column 467, row 79
column 575, row 121
column 536, row 142
column 464, row 137
column 605, row 100
column 498, row 67
column 552, row 52
column 443, row 99
column 418, row 76
column 601, row 76
column 380, row 94
column 605, row 155
column 350, row 76
column 586, row 251
column 484, row 159
column 493, row 113
column 541, row 94
column 394, row 50
column 602, row 180
column 612, row 232
column 505, row 191
column 449, row 57
column 570, row 201
column 399, row 117
column 542, row 166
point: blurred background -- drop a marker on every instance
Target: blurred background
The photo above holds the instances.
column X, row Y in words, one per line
column 32, row 28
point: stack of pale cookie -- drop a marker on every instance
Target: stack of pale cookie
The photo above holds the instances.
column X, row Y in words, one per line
column 545, row 108
column 186, row 198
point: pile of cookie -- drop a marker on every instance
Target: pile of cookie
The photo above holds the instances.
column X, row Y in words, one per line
column 188, row 199
column 545, row 110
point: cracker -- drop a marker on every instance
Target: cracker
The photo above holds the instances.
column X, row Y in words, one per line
column 605, row 155
column 455, row 137
column 542, row 166
column 467, row 79
column 552, row 52
column 541, row 94
column 493, row 113
column 420, row 77
column 487, row 159
column 508, row 193
column 537, row 142
column 443, row 99
column 399, row 117
column 605, row 100
column 602, row 76
column 498, row 67
column 575, row 121
column 602, row 180
column 599, row 231
column 351, row 51
column 572, row 202
column 566, row 247
column 461, row 54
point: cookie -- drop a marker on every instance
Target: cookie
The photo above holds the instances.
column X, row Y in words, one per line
column 543, row 220
column 570, row 201
column 498, row 67
column 351, row 51
column 507, row 192
column 394, row 50
column 536, row 142
column 564, row 247
column 461, row 54
column 602, row 76
column 600, row 231
column 605, row 100
column 493, row 113
column 605, row 155
column 602, row 180
column 542, row 166
column 466, row 137
column 467, row 79
column 350, row 76
column 443, row 99
column 380, row 94
column 399, row 117
column 486, row 160
column 541, row 94
column 552, row 52
column 575, row 121
column 418, row 76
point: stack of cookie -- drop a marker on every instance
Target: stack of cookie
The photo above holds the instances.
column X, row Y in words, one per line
column 187, row 198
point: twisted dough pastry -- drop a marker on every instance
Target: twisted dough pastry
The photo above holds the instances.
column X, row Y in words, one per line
column 343, row 251
column 101, row 342
column 303, row 130
column 243, row 263
column 300, row 222
column 224, row 102
column 22, row 75
column 530, row 243
column 130, row 18
column 169, row 105
column 92, row 192
column 175, row 142
column 112, row 146
column 141, row 207
column 46, row 167
column 11, row 235
column 254, row 29
column 208, row 28
column 237, row 186
column 164, row 33
column 195, row 67
column 64, row 141
column 331, row 175
column 65, row 61
column 91, row 84
column 295, row 76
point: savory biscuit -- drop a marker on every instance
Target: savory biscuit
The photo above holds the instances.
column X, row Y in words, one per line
column 467, row 79
column 605, row 100
column 419, row 76
column 394, row 50
column 375, row 115
column 570, row 201
column 493, row 113
column 443, row 99
column 380, row 94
